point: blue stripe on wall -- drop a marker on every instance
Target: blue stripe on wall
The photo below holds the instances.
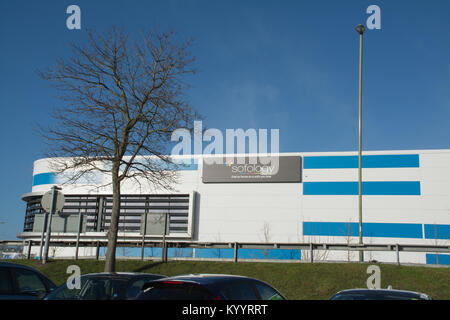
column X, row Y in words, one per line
column 278, row 254
column 189, row 167
column 438, row 258
column 393, row 230
column 52, row 178
column 368, row 188
column 177, row 165
column 369, row 161
column 437, row 231
column 44, row 178
column 281, row 254
column 214, row 253
column 330, row 229
column 376, row 230
column 154, row 252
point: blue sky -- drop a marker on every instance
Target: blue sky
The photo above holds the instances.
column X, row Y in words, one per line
column 287, row 65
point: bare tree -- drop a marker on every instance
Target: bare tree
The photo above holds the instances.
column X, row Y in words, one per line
column 349, row 238
column 218, row 251
column 266, row 238
column 122, row 99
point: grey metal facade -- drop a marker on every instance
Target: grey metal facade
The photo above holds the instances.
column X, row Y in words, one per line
column 96, row 211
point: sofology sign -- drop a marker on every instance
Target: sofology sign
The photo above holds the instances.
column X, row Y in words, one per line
column 252, row 169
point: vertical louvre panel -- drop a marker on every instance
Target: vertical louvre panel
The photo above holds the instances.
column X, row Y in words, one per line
column 132, row 211
column 74, row 205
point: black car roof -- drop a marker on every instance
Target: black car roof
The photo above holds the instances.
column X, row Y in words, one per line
column 381, row 292
column 18, row 265
column 205, row 278
column 208, row 280
column 120, row 275
column 10, row 264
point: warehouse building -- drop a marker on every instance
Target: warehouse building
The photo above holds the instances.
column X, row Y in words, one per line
column 311, row 197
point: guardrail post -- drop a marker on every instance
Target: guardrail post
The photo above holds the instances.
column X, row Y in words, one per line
column 164, row 244
column 29, row 249
column 235, row 252
column 397, row 253
column 166, row 249
column 76, row 250
column 80, row 217
column 97, row 253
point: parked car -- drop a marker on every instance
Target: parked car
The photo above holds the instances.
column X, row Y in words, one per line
column 379, row 294
column 105, row 286
column 209, row 287
column 20, row 282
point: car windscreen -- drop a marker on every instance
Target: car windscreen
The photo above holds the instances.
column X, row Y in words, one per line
column 174, row 291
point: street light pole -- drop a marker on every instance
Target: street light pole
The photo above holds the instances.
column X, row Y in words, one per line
column 360, row 30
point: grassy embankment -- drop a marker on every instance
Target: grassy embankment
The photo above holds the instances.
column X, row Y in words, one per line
column 296, row 281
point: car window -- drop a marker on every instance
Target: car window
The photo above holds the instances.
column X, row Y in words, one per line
column 175, row 292
column 240, row 291
column 50, row 285
column 64, row 293
column 5, row 281
column 102, row 289
column 134, row 288
column 29, row 282
column 267, row 293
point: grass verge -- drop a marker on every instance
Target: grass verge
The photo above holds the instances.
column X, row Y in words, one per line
column 300, row 281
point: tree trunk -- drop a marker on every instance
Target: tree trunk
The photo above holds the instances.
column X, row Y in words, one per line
column 110, row 263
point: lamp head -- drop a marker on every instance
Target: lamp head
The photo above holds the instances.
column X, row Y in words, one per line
column 360, row 29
